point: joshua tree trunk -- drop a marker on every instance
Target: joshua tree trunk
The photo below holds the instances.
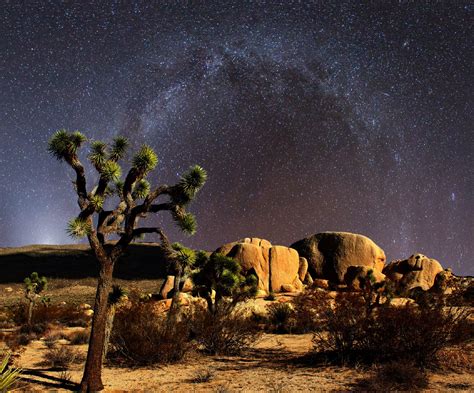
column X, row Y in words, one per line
column 92, row 380
column 108, row 329
column 30, row 311
column 173, row 313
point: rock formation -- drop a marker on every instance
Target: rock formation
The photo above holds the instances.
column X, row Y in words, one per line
column 330, row 254
column 278, row 268
column 356, row 274
column 418, row 271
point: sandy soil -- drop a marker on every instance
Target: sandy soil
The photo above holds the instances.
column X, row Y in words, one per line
column 276, row 364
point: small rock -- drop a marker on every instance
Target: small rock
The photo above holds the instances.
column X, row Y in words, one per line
column 401, row 302
column 288, row 288
column 320, row 283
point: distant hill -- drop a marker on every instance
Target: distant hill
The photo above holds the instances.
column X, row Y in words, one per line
column 142, row 261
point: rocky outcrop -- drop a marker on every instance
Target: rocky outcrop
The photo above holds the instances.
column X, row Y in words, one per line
column 277, row 268
column 418, row 271
column 357, row 274
column 330, row 254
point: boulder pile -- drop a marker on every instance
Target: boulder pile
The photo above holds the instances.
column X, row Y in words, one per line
column 277, row 268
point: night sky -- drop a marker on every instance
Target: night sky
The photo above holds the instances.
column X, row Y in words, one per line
column 308, row 116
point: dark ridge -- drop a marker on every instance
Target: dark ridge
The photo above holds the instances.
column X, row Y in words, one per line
column 141, row 261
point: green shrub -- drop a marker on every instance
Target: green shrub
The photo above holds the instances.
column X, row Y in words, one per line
column 8, row 376
column 281, row 317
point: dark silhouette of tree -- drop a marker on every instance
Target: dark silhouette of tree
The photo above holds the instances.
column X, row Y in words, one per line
column 136, row 199
column 221, row 274
column 34, row 285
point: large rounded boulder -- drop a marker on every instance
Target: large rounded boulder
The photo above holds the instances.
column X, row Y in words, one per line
column 276, row 267
column 418, row 271
column 330, row 254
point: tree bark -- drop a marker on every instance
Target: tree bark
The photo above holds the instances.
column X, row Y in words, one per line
column 108, row 329
column 174, row 308
column 30, row 312
column 92, row 378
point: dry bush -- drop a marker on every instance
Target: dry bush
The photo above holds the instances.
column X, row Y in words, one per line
column 395, row 376
column 36, row 329
column 456, row 359
column 67, row 314
column 281, row 318
column 309, row 310
column 141, row 337
column 411, row 333
column 224, row 333
column 203, row 375
column 62, row 357
column 80, row 337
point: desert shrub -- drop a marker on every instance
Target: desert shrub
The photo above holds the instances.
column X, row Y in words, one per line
column 62, row 357
column 203, row 375
column 35, row 329
column 50, row 342
column 142, row 337
column 281, row 317
column 309, row 310
column 224, row 333
column 456, row 359
column 15, row 341
column 410, row 333
column 67, row 314
column 80, row 337
column 395, row 376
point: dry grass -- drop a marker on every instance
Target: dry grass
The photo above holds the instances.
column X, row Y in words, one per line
column 80, row 337
column 62, row 357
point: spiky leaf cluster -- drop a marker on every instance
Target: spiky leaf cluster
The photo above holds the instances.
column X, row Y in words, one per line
column 35, row 284
column 117, row 294
column 190, row 183
column 186, row 222
column 111, row 171
column 141, row 190
column 186, row 256
column 64, row 144
column 8, row 375
column 118, row 187
column 119, row 148
column 97, row 202
column 78, row 228
column 145, row 159
column 98, row 154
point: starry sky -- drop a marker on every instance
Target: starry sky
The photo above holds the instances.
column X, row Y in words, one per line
column 308, row 116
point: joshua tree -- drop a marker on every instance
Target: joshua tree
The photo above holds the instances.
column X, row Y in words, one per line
column 34, row 285
column 221, row 274
column 136, row 199
column 180, row 266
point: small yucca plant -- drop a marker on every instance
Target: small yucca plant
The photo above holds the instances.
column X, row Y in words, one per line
column 8, row 376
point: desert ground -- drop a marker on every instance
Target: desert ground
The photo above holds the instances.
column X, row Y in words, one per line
column 276, row 363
